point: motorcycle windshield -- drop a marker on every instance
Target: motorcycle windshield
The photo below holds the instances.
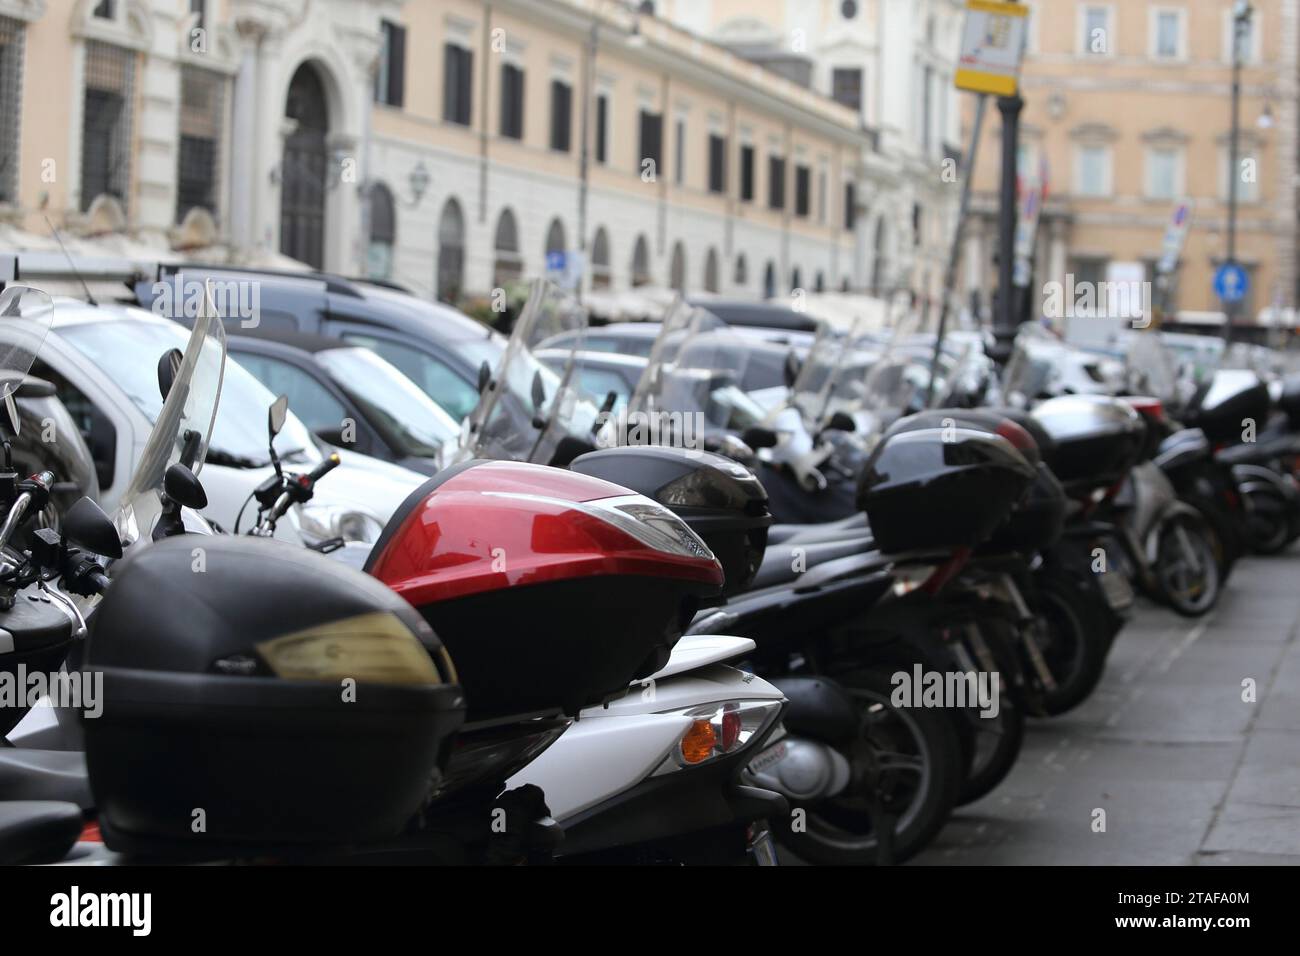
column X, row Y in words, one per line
column 27, row 314
column 1028, row 372
column 1150, row 368
column 879, row 381
column 527, row 408
column 695, row 385
column 826, row 380
column 183, row 426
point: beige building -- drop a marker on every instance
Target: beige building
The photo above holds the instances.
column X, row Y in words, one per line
column 1127, row 109
column 701, row 171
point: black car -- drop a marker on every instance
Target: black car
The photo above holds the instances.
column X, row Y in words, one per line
column 349, row 396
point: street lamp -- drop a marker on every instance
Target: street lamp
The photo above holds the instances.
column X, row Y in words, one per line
column 1242, row 11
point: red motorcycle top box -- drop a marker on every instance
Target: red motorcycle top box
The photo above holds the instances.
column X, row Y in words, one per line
column 552, row 590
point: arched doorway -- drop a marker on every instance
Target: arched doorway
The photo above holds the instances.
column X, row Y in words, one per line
column 796, row 280
column 304, row 169
column 555, row 237
column 769, row 281
column 451, row 252
column 600, row 260
column 711, row 272
column 741, row 277
column 641, row 262
column 507, row 264
column 677, row 274
column 383, row 232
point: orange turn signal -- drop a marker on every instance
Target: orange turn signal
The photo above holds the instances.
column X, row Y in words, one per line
column 698, row 743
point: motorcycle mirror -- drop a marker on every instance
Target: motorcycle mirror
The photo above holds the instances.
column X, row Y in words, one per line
column 539, row 391
column 86, row 526
column 276, row 416
column 792, row 368
column 611, row 399
column 33, row 387
column 169, row 366
column 842, row 422
column 183, row 487
column 759, row 437
column 484, row 376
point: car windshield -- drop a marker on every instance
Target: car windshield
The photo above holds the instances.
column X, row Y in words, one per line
column 126, row 352
column 391, row 401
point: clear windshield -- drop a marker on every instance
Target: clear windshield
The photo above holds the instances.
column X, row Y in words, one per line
column 399, row 409
column 891, row 381
column 1028, row 372
column 825, row 380
column 183, row 422
column 527, row 408
column 1150, row 368
column 27, row 314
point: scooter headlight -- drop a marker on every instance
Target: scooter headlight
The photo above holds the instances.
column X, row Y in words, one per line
column 718, row 730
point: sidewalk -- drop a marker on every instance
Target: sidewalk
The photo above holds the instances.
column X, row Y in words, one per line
column 1186, row 772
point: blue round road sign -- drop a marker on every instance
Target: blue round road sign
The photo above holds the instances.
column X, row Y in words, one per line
column 1231, row 282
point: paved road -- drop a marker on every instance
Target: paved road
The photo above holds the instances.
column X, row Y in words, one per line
column 1186, row 772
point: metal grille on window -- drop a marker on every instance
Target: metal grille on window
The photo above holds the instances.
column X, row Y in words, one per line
column 106, row 122
column 11, row 94
column 199, row 156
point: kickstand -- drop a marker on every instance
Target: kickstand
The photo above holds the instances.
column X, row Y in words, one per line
column 883, row 820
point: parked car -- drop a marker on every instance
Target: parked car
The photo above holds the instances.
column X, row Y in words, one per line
column 350, row 397
column 435, row 346
column 102, row 362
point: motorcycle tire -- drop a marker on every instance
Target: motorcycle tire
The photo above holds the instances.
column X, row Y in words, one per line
column 1191, row 596
column 840, row 831
column 1268, row 522
column 997, row 739
column 1075, row 640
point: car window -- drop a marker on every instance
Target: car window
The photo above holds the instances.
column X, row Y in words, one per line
column 96, row 428
column 599, row 382
column 310, row 400
column 436, row 378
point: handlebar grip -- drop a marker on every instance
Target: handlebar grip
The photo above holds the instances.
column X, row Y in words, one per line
column 324, row 468
column 43, row 478
column 97, row 580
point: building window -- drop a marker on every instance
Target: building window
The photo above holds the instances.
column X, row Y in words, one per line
column 1167, row 30
column 106, row 122
column 850, row 206
column 507, row 264
column 927, row 109
column 201, row 8
column 717, row 163
column 1092, row 171
column 746, row 173
column 561, row 115
column 846, row 87
column 383, row 233
column 711, row 272
column 651, row 143
column 458, row 84
column 918, row 224
column 848, row 9
column 1247, row 173
column 741, row 275
column 1096, row 39
column 602, row 128
column 679, row 153
column 802, row 191
column 512, row 101
column 12, row 35
column 776, row 182
column 821, row 195
column 106, row 9
column 1089, row 270
column 677, row 269
column 202, row 113
column 1164, row 173
column 390, row 76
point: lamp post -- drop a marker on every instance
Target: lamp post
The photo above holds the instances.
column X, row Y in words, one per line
column 1242, row 11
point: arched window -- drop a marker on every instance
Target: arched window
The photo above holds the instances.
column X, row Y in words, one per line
column 820, row 282
column 796, row 279
column 741, row 276
column 769, row 280
column 555, row 237
column 507, row 263
column 383, row 232
column 711, row 272
column 600, row 277
column 641, row 262
column 677, row 274
column 451, row 252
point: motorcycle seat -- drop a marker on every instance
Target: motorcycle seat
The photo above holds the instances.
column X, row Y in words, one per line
column 45, row 775
column 851, row 527
column 785, row 563
column 37, row 831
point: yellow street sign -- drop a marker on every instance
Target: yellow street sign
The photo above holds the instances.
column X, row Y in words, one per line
column 992, row 44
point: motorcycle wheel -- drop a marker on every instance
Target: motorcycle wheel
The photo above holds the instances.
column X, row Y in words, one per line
column 914, row 753
column 997, row 740
column 1268, row 522
column 1073, row 644
column 1186, row 568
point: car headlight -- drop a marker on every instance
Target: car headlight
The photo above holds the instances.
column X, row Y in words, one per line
column 319, row 521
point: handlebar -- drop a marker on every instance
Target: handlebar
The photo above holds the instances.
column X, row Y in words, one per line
column 291, row 489
column 324, row 468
